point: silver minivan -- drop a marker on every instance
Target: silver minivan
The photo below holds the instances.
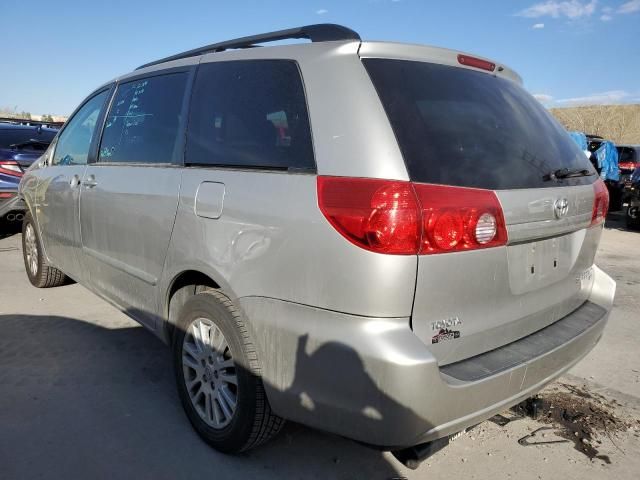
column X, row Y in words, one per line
column 389, row 242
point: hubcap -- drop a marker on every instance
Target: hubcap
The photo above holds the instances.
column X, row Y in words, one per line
column 209, row 373
column 31, row 249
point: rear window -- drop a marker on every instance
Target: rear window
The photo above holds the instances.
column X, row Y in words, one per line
column 27, row 138
column 459, row 127
column 626, row 154
column 251, row 114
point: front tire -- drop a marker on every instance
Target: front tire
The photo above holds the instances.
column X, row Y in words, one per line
column 41, row 274
column 218, row 376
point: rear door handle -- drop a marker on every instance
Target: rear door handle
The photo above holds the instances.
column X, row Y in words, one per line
column 90, row 182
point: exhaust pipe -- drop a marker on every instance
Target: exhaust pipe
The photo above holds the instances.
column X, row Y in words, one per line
column 19, row 217
column 11, row 217
column 412, row 457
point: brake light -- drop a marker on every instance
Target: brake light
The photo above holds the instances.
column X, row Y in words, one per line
column 476, row 62
column 378, row 215
column 627, row 165
column 6, row 194
column 456, row 219
column 10, row 167
column 404, row 218
column 600, row 202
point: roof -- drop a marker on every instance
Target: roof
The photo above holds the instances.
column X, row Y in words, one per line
column 318, row 34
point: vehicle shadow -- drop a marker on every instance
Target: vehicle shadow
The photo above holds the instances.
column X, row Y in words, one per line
column 8, row 229
column 618, row 221
column 78, row 400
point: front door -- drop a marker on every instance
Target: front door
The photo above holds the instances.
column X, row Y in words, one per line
column 130, row 195
column 58, row 191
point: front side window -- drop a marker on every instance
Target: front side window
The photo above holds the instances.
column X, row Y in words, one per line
column 143, row 122
column 75, row 140
column 249, row 114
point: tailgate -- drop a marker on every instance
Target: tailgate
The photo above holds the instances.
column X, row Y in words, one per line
column 467, row 303
column 463, row 127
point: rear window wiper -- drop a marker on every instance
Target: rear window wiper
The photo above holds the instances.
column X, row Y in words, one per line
column 567, row 173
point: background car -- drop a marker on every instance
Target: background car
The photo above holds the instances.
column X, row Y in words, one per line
column 628, row 161
column 20, row 146
column 632, row 194
column 612, row 176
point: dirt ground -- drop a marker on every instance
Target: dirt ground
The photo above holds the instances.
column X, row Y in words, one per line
column 87, row 393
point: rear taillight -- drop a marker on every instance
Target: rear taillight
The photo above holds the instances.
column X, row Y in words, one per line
column 379, row 215
column 600, row 202
column 5, row 195
column 10, row 167
column 456, row 219
column 404, row 218
column 627, row 166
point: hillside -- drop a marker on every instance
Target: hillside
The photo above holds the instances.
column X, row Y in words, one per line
column 620, row 123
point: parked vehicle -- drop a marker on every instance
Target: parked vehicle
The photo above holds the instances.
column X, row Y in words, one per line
column 632, row 194
column 20, row 145
column 389, row 242
column 628, row 161
column 605, row 154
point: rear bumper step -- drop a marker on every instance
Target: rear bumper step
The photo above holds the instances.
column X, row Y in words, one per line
column 526, row 349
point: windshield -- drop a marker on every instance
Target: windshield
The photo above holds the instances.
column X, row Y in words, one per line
column 460, row 127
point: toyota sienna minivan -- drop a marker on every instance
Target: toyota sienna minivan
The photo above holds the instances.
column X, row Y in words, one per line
column 384, row 241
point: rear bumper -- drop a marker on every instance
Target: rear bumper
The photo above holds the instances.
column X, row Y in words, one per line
column 373, row 380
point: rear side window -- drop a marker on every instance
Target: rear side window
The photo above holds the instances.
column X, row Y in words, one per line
column 464, row 128
column 143, row 122
column 249, row 114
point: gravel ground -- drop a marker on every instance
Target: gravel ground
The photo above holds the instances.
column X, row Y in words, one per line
column 87, row 393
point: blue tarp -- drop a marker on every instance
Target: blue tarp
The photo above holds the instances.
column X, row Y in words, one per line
column 607, row 156
column 580, row 138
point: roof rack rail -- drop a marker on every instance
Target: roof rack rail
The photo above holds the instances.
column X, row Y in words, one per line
column 322, row 32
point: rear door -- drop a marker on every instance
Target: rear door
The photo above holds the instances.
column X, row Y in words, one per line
column 130, row 195
column 466, row 128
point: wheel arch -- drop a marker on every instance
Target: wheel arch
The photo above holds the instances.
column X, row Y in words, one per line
column 182, row 286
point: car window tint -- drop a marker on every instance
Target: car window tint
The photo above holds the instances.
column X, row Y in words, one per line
column 23, row 137
column 626, row 154
column 143, row 122
column 73, row 143
column 457, row 126
column 249, row 114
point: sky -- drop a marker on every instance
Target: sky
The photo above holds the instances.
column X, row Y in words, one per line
column 568, row 52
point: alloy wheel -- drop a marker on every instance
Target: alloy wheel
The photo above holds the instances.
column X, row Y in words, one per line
column 209, row 373
column 31, row 249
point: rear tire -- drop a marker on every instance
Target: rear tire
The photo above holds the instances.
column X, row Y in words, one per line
column 218, row 375
column 41, row 274
column 633, row 221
